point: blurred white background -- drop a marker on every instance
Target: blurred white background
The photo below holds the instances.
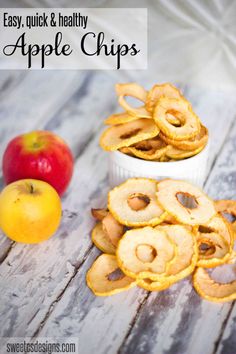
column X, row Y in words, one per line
column 189, row 41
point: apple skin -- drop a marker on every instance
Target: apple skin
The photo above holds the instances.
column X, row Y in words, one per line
column 30, row 211
column 39, row 155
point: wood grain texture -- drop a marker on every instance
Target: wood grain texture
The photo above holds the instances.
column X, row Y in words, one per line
column 169, row 312
column 25, row 106
column 34, row 101
column 43, row 290
column 65, row 252
column 187, row 327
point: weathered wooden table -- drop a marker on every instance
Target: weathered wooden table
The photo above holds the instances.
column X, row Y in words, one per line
column 43, row 289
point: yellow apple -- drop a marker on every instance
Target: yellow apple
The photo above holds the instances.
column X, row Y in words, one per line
column 30, row 211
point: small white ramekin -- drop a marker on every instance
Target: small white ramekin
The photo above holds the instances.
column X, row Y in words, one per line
column 193, row 169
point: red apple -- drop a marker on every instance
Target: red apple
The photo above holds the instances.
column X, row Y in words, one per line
column 39, row 155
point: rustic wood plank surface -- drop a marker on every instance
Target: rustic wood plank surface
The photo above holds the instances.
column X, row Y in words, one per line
column 43, row 290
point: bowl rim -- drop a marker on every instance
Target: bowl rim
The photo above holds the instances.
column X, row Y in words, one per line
column 132, row 159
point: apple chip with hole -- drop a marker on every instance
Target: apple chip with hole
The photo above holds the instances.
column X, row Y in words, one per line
column 185, row 202
column 190, row 123
column 105, row 278
column 227, row 208
column 121, row 206
column 135, row 91
column 212, row 290
column 145, row 253
column 215, row 242
column 127, row 134
column 158, row 91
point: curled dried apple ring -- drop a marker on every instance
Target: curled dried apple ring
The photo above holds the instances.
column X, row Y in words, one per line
column 187, row 251
column 184, row 262
column 119, row 118
column 191, row 144
column 227, row 207
column 212, row 290
column 169, row 196
column 112, row 228
column 221, row 226
column 136, row 91
column 99, row 214
column 152, row 154
column 151, row 285
column 101, row 240
column 118, row 203
column 213, row 249
column 145, row 253
column 177, row 154
column 149, row 147
column 158, row 91
column 190, row 122
column 102, row 277
column 122, row 135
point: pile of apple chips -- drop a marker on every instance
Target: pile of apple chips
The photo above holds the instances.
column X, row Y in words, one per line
column 164, row 128
column 153, row 234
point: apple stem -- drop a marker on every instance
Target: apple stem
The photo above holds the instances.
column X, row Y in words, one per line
column 31, row 188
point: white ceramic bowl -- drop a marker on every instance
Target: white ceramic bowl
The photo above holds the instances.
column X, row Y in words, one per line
column 193, row 169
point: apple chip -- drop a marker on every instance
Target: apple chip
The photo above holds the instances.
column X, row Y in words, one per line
column 119, row 118
column 200, row 140
column 177, row 154
column 145, row 253
column 122, row 135
column 184, row 261
column 213, row 249
column 121, row 209
column 104, row 277
column 151, row 285
column 212, row 290
column 152, row 152
column 101, row 240
column 136, row 91
column 99, row 214
column 227, row 207
column 158, row 91
column 174, row 197
column 187, row 251
column 190, row 124
column 112, row 228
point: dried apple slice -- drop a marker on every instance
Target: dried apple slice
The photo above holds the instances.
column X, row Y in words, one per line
column 145, row 253
column 220, row 225
column 194, row 143
column 151, row 285
column 121, row 209
column 227, row 207
column 127, row 134
column 119, row 118
column 184, row 262
column 154, row 151
column 112, row 228
column 101, row 240
column 212, row 290
column 217, row 237
column 136, row 91
column 190, row 122
column 99, row 214
column 102, row 277
column 169, row 196
column 213, row 249
column 177, row 154
column 187, row 251
column 158, row 91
